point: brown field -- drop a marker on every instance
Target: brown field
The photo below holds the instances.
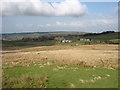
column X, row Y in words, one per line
column 86, row 55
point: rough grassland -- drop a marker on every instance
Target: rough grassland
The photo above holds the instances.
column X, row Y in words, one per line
column 81, row 66
column 99, row 55
column 55, row 75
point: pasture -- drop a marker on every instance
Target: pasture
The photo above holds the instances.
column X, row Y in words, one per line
column 61, row 66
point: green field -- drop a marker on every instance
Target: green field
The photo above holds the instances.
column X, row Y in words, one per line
column 22, row 43
column 108, row 36
column 50, row 74
column 26, row 64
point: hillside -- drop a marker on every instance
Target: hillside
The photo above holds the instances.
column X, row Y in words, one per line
column 107, row 36
column 20, row 36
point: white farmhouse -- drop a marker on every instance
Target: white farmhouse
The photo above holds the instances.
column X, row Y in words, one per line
column 66, row 41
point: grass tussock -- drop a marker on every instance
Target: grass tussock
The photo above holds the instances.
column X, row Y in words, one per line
column 25, row 81
column 81, row 55
column 69, row 76
column 67, row 68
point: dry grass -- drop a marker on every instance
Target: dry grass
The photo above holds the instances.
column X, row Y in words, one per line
column 26, row 81
column 83, row 55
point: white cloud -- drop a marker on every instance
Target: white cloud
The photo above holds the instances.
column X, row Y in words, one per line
column 37, row 7
column 39, row 25
column 48, row 25
column 85, row 25
column 89, row 25
column 82, row 23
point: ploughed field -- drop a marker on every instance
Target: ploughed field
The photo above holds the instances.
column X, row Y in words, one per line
column 61, row 66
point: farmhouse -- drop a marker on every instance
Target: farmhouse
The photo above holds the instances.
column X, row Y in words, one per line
column 82, row 39
column 66, row 41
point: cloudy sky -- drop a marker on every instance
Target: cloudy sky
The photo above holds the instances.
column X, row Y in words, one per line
column 64, row 15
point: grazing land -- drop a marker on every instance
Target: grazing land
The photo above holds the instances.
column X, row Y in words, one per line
column 62, row 66
column 51, row 64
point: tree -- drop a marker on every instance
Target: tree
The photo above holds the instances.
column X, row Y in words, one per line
column 59, row 39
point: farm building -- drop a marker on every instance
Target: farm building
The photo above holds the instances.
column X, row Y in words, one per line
column 82, row 39
column 66, row 41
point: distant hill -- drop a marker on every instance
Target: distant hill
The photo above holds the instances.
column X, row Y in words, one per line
column 20, row 36
column 51, row 38
column 102, row 36
column 108, row 35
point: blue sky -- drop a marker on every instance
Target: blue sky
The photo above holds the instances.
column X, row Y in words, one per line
column 93, row 17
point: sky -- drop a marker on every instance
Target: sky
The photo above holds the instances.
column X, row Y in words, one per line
column 68, row 15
